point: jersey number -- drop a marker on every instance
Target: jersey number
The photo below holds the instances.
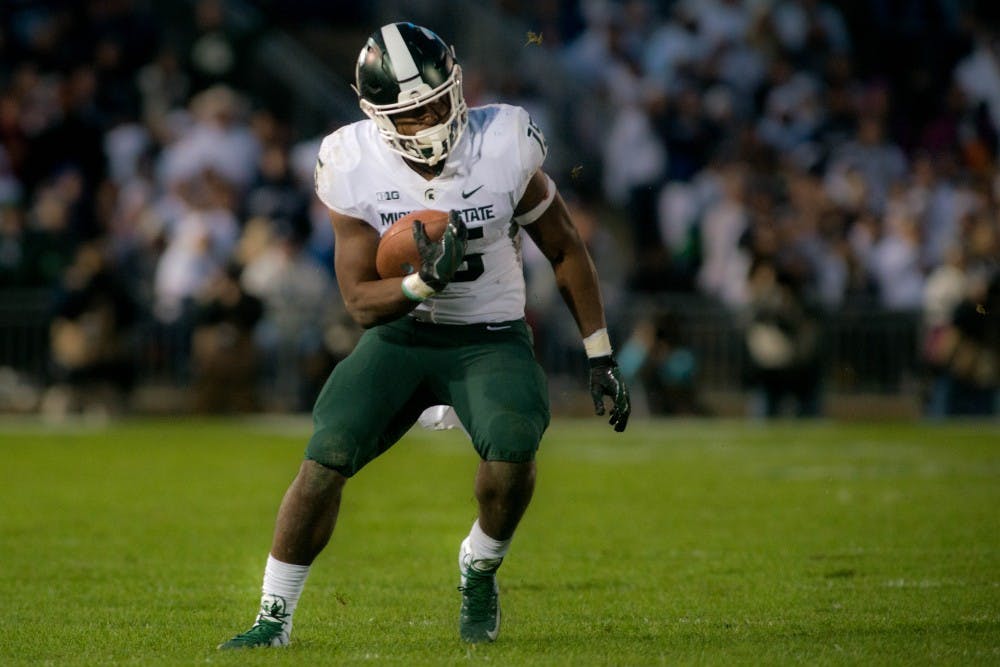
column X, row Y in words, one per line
column 536, row 134
column 473, row 261
column 473, row 268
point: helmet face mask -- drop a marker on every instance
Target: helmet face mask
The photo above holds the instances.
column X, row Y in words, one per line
column 401, row 69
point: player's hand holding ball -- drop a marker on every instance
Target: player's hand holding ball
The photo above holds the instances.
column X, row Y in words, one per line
column 426, row 248
column 439, row 260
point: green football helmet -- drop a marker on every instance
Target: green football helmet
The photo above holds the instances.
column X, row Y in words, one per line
column 402, row 67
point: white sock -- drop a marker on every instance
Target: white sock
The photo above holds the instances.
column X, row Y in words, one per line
column 486, row 552
column 283, row 584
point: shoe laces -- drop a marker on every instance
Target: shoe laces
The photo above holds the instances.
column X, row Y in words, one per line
column 479, row 594
column 263, row 630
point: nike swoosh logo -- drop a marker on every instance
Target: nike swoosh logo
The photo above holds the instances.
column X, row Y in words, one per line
column 490, row 327
column 466, row 195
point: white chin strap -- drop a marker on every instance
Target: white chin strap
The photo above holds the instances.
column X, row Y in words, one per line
column 433, row 138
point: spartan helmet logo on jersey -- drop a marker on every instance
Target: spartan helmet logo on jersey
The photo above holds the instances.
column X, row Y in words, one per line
column 403, row 67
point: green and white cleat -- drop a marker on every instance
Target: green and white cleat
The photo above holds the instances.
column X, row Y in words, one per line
column 479, row 619
column 273, row 627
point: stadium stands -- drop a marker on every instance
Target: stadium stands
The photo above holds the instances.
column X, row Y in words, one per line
column 797, row 183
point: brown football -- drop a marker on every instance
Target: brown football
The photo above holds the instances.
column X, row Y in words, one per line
column 397, row 250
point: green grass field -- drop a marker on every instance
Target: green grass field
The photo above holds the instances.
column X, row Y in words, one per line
column 712, row 543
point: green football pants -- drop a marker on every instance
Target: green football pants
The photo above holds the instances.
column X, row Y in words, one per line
column 488, row 373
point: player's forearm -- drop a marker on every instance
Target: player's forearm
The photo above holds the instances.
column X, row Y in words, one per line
column 377, row 302
column 576, row 278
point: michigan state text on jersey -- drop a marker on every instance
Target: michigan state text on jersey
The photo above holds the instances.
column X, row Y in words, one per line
column 483, row 179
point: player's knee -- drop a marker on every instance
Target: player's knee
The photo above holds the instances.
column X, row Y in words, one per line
column 318, row 479
column 513, row 436
column 337, row 450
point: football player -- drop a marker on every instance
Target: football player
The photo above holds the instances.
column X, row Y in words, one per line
column 452, row 332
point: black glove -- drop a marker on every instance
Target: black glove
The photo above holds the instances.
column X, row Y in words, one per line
column 439, row 260
column 606, row 380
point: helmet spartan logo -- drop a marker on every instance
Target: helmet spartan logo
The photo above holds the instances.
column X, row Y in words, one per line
column 430, row 194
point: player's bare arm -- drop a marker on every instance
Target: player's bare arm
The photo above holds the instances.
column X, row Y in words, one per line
column 370, row 299
column 556, row 236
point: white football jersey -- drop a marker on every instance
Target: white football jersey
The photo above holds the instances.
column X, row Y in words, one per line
column 484, row 178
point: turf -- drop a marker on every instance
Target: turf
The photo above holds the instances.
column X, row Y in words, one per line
column 708, row 543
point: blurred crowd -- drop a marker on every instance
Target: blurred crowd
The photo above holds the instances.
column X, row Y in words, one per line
column 144, row 185
column 794, row 158
column 787, row 159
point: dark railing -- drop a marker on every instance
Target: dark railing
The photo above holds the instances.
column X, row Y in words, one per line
column 866, row 349
column 24, row 331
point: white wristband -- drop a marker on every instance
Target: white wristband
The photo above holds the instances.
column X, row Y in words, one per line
column 415, row 288
column 597, row 344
